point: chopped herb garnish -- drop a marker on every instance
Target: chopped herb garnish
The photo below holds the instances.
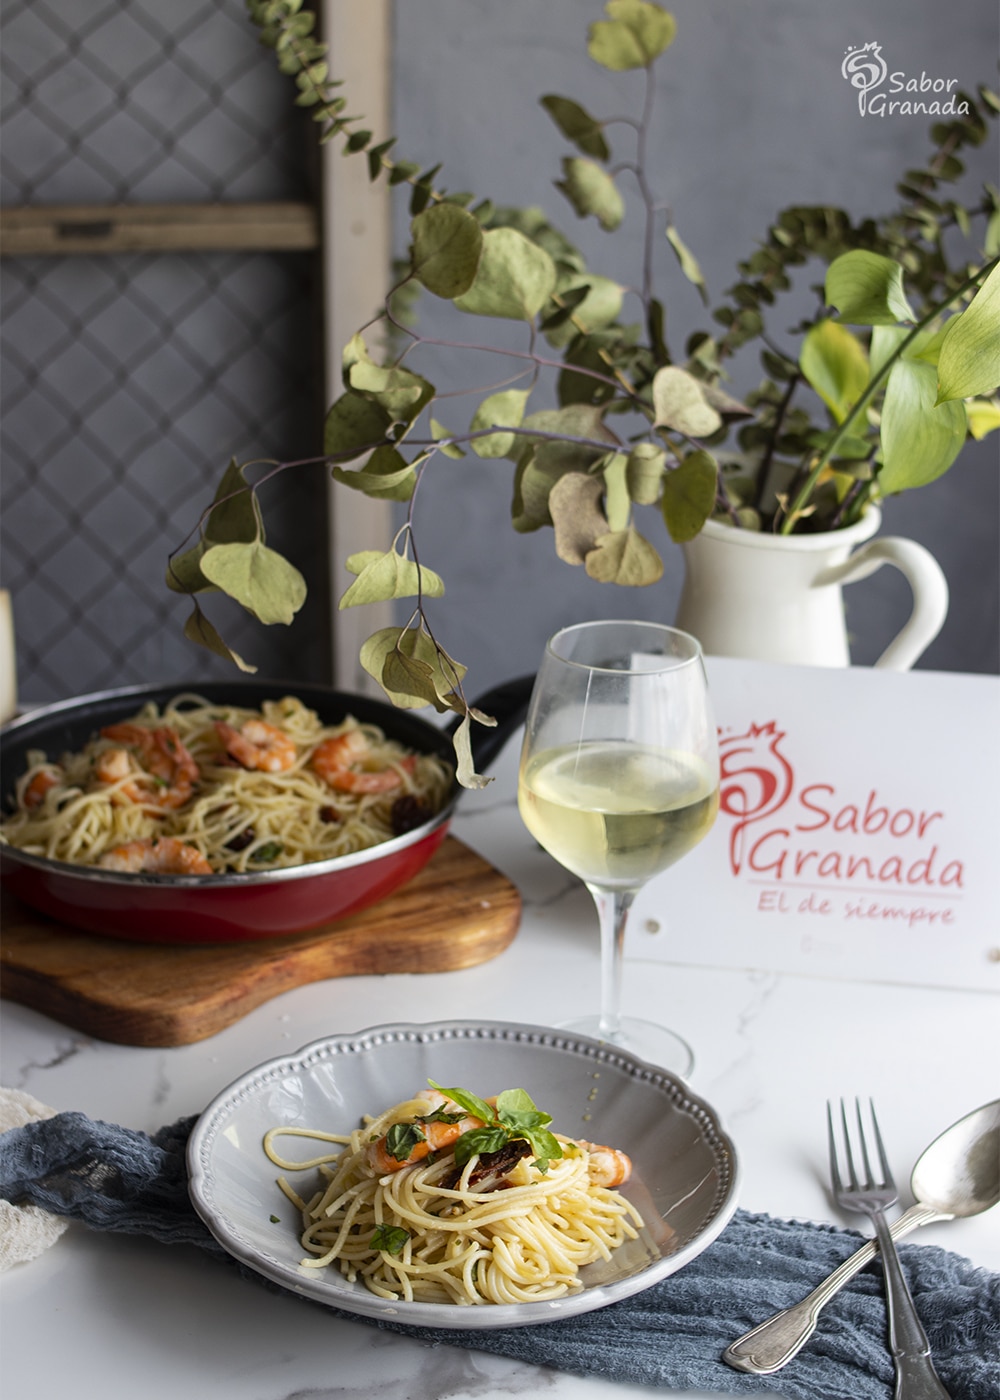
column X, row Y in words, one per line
column 275, row 1219
column 515, row 1116
column 271, row 850
column 401, row 1139
column 391, row 1238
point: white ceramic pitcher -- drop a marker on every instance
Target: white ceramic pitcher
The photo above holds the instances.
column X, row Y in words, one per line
column 778, row 597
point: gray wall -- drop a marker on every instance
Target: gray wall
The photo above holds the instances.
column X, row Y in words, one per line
column 753, row 115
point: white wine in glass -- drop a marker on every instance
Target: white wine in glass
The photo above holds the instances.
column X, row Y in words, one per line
column 619, row 778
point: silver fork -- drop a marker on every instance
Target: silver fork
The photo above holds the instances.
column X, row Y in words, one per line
column 916, row 1378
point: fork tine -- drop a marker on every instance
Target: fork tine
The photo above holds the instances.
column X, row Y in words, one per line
column 869, row 1178
column 887, row 1177
column 853, row 1183
column 832, row 1140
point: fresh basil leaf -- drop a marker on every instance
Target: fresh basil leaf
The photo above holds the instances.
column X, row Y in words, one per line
column 479, row 1141
column 401, row 1139
column 439, row 1116
column 470, row 1102
column 515, row 1101
column 545, row 1146
column 391, row 1238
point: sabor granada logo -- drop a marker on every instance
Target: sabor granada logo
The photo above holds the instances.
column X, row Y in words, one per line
column 814, row 834
column 929, row 95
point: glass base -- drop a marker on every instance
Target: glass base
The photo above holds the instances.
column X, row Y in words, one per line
column 644, row 1039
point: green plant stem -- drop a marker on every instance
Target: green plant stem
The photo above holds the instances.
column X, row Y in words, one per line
column 872, row 387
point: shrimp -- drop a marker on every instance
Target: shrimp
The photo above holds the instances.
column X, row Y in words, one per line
column 38, row 785
column 258, row 745
column 161, row 774
column 426, row 1137
column 333, row 760
column 164, row 855
column 608, row 1166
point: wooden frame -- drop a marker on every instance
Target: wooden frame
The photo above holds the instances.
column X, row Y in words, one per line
column 357, row 257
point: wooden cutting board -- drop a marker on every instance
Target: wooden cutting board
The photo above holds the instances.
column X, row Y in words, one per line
column 457, row 912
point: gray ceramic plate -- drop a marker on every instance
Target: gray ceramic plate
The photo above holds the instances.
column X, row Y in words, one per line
column 684, row 1182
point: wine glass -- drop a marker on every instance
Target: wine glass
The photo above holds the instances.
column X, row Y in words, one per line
column 619, row 778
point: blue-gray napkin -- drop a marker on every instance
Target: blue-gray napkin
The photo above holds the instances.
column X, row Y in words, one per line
column 671, row 1336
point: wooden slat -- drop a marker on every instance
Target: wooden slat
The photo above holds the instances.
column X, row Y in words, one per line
column 157, row 228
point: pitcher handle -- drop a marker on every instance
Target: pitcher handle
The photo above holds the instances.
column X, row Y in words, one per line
column 927, row 581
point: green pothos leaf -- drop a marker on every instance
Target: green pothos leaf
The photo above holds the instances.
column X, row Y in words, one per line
column 260, row 579
column 867, row 289
column 835, row 364
column 969, row 362
column 919, row 441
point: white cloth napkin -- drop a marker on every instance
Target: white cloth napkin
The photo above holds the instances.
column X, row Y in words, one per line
column 25, row 1231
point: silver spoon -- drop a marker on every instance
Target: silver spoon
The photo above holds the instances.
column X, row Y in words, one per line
column 958, row 1175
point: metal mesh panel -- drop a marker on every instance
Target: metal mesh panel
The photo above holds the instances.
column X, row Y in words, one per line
column 129, row 381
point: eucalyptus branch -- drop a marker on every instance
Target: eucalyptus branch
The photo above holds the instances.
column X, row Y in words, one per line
column 871, row 389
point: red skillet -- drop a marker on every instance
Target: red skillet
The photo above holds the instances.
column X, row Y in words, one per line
column 232, row 907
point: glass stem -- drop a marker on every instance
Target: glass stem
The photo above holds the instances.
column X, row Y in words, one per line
column 613, row 910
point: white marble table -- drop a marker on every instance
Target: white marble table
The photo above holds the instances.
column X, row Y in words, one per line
column 102, row 1317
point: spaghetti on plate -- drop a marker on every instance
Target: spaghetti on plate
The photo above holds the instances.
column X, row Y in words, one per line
column 199, row 788
column 413, row 1206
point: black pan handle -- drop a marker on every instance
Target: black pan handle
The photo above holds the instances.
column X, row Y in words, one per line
column 508, row 703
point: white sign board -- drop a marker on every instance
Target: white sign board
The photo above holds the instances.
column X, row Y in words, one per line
column 858, row 834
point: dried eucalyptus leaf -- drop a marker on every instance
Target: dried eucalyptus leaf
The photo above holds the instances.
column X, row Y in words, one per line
column 515, row 279
column 574, row 503
column 836, row 365
column 502, row 410
column 919, row 441
column 679, row 402
column 466, row 770
column 633, row 35
column 644, row 473
column 184, row 573
column 867, row 289
column 446, row 245
column 592, row 190
column 689, row 493
column 383, row 576
column 442, row 436
column 260, row 579
column 597, row 302
column 625, row 558
column 577, row 125
column 373, row 656
column 969, row 363
column 198, row 629
column 354, row 425
column 617, row 501
column 399, row 391
column 386, row 476
column 689, row 263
